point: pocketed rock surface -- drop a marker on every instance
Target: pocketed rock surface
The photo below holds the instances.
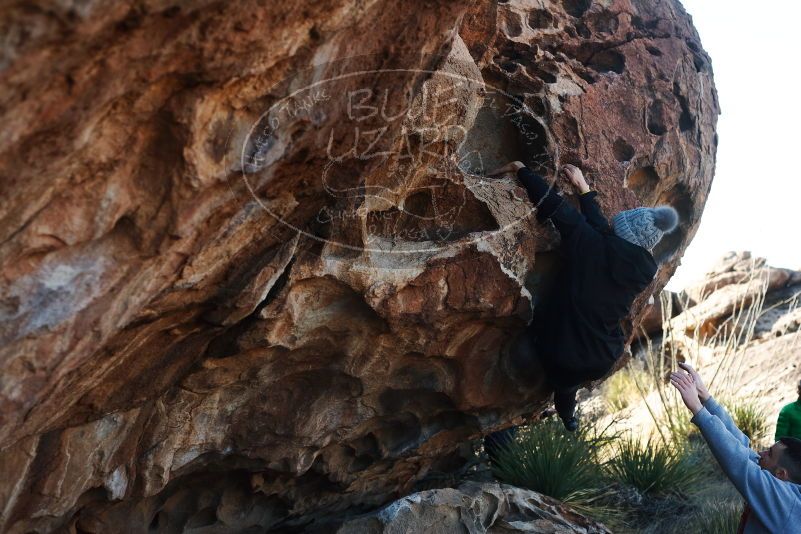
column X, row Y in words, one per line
column 252, row 276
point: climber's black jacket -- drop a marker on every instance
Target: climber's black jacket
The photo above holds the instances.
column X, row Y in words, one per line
column 577, row 324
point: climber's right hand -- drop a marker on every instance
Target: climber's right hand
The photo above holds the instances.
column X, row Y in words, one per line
column 576, row 178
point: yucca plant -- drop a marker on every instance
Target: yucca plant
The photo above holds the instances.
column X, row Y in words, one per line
column 750, row 418
column 716, row 517
column 545, row 458
column 652, row 467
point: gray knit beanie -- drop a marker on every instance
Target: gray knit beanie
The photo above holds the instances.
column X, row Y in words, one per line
column 645, row 226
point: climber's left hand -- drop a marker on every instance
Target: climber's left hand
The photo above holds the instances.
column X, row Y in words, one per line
column 512, row 166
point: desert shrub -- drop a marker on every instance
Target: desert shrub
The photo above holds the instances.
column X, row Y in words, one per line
column 652, row 467
column 566, row 466
column 750, row 418
column 676, row 421
column 716, row 517
column 545, row 458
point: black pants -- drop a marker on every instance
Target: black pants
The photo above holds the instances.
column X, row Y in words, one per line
column 523, row 353
column 550, row 206
column 564, row 400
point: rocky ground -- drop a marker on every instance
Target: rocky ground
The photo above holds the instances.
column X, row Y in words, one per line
column 474, row 508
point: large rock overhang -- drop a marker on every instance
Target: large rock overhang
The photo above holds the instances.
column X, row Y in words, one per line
column 252, row 273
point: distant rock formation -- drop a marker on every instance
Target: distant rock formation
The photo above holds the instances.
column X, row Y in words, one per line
column 738, row 283
column 251, row 273
column 739, row 326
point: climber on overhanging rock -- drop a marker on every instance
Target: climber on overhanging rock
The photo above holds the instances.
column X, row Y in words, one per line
column 576, row 328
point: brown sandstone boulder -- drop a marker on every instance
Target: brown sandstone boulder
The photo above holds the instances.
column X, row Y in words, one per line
column 251, row 272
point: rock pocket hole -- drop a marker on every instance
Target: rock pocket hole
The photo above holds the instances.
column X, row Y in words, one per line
column 504, row 131
column 537, row 105
column 512, row 25
column 652, row 24
column 448, row 420
column 202, row 518
column 159, row 522
column 399, row 434
column 509, row 66
column 441, row 211
column 678, row 197
column 576, row 8
column 622, row 150
column 367, row 447
column 586, row 76
column 540, row 19
column 547, row 72
column 686, row 120
column 582, row 30
column 654, row 51
column 419, row 402
column 699, row 62
column 657, row 118
column 643, row 182
column 604, row 22
column 608, row 61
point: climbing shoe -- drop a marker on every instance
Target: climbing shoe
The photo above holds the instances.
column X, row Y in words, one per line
column 570, row 424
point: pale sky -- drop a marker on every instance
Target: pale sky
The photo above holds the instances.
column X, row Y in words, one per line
column 755, row 199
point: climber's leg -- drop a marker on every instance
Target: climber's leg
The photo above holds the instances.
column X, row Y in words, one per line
column 564, row 400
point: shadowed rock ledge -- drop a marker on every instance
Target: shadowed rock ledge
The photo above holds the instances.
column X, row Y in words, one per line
column 251, row 274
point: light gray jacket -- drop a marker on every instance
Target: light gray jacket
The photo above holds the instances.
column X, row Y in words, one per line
column 775, row 504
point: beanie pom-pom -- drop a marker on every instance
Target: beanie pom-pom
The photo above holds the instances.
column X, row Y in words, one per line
column 666, row 218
